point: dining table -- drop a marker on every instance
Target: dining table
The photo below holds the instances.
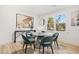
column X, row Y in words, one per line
column 35, row 34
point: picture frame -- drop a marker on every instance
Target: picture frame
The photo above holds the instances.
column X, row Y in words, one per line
column 24, row 21
column 50, row 23
column 75, row 18
column 60, row 22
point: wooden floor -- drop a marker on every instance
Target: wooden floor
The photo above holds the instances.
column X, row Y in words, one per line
column 16, row 48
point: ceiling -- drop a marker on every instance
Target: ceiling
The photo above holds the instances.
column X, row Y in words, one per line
column 39, row 9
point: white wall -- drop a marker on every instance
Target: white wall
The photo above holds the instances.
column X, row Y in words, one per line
column 8, row 22
column 71, row 35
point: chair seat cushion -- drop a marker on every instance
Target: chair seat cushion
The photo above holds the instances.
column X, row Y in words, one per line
column 32, row 41
column 46, row 43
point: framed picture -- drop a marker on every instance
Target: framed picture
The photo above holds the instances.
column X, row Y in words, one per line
column 50, row 25
column 60, row 22
column 75, row 18
column 23, row 21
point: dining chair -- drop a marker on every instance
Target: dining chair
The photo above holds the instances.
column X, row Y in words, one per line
column 55, row 38
column 26, row 41
column 46, row 42
column 39, row 38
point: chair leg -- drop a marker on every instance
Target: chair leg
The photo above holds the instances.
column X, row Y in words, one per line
column 43, row 49
column 34, row 46
column 23, row 46
column 52, row 49
column 54, row 42
column 39, row 47
column 47, row 49
column 26, row 48
column 57, row 44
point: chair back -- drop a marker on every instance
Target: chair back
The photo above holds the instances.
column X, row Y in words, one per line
column 25, row 39
column 47, row 39
column 40, row 38
column 55, row 36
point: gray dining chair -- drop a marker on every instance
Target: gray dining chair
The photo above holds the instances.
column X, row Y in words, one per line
column 26, row 41
column 55, row 38
column 46, row 42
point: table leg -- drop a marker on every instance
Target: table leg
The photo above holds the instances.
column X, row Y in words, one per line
column 15, row 37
